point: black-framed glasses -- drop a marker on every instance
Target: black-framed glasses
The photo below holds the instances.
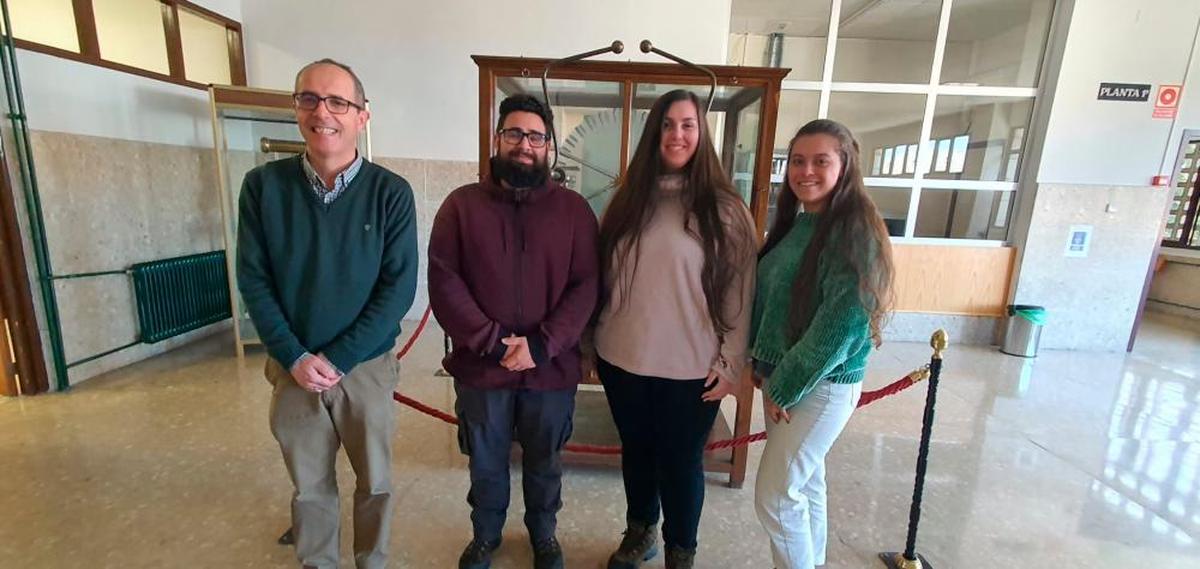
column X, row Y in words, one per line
column 308, row 102
column 513, row 136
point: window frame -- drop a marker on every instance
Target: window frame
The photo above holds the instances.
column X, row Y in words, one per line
column 1191, row 208
column 89, row 44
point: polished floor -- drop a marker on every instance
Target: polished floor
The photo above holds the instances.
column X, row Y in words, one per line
column 1069, row 460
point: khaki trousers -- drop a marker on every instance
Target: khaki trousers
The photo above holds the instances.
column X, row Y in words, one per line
column 359, row 414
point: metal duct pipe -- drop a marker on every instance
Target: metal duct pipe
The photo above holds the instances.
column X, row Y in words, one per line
column 774, row 56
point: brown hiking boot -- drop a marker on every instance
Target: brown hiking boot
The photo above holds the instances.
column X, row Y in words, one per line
column 638, row 546
column 680, row 558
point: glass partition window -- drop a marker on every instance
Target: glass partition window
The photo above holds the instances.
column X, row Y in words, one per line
column 890, row 42
column 131, row 32
column 949, row 130
column 170, row 40
column 881, row 120
column 984, row 134
column 794, row 33
column 48, row 22
column 796, row 108
column 892, row 204
column 996, row 42
column 205, row 49
column 963, row 214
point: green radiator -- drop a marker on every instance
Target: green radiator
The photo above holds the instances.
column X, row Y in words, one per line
column 180, row 294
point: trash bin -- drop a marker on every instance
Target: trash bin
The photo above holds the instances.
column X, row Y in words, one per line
column 1024, row 330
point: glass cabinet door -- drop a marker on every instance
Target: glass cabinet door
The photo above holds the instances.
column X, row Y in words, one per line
column 588, row 120
column 244, row 131
column 733, row 124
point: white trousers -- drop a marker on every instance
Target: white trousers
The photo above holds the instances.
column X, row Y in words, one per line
column 790, row 491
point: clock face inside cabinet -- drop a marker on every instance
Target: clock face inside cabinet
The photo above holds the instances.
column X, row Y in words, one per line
column 590, row 153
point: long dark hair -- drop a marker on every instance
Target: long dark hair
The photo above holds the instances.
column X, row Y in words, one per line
column 719, row 220
column 852, row 224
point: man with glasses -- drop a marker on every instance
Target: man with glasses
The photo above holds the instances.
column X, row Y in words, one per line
column 327, row 265
column 513, row 281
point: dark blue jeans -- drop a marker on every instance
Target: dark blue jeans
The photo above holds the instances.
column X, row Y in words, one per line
column 664, row 426
column 542, row 422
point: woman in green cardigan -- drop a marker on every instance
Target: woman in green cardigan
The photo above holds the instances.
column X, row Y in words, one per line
column 824, row 289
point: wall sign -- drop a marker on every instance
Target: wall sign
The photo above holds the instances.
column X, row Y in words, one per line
column 1167, row 102
column 1079, row 240
column 1134, row 92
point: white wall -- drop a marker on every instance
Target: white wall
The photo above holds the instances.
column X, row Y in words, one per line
column 231, row 9
column 1109, row 142
column 79, row 98
column 414, row 58
column 1189, row 108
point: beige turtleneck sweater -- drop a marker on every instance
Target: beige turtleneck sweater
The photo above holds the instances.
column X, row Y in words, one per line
column 658, row 324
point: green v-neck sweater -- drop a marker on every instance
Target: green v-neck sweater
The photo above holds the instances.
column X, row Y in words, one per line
column 326, row 278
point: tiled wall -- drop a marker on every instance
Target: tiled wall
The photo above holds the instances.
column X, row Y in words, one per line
column 1091, row 301
column 431, row 181
column 110, row 203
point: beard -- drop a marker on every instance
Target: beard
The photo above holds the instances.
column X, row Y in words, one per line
column 518, row 175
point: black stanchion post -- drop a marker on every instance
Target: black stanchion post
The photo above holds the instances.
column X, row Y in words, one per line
column 910, row 559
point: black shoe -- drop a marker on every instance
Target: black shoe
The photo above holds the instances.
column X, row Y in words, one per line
column 478, row 554
column 547, row 554
column 637, row 546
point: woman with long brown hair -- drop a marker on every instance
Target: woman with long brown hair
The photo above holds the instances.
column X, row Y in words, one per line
column 677, row 254
column 824, row 290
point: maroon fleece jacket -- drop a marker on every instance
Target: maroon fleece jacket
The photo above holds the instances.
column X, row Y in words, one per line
column 521, row 262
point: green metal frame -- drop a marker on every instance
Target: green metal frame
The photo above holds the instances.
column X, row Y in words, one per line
column 85, row 275
column 158, row 321
column 33, row 202
column 102, row 354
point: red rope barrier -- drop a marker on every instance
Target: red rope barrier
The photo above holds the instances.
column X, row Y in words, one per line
column 431, row 411
column 865, row 399
column 416, row 333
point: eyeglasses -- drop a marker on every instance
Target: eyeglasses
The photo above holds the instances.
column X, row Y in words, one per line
column 336, row 105
column 513, row 136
